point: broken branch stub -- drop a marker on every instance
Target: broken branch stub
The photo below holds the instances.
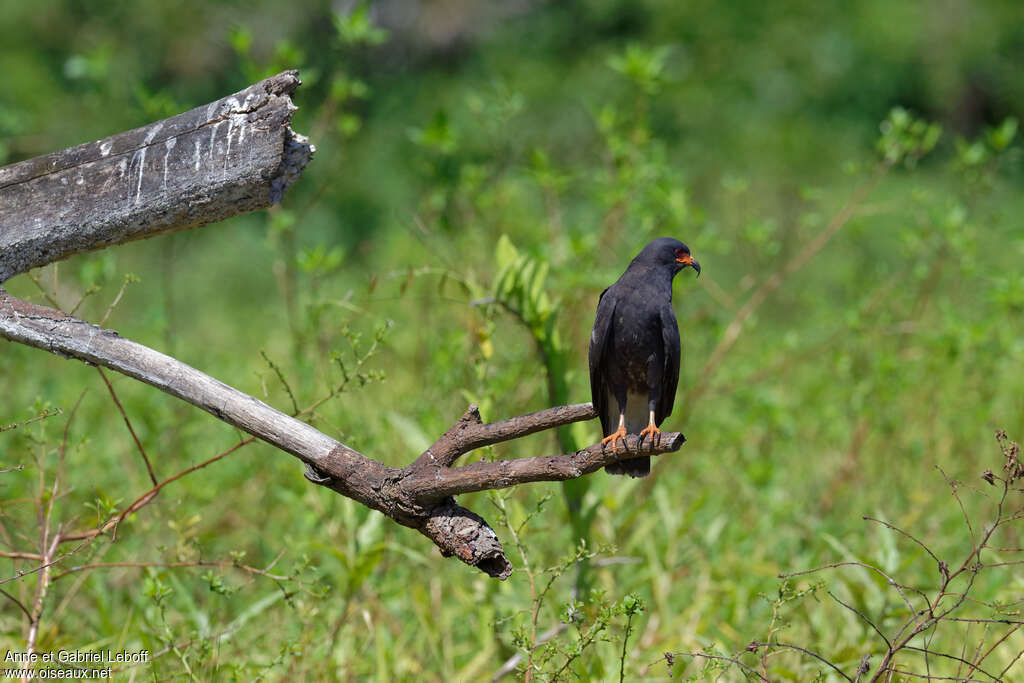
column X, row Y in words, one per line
column 231, row 156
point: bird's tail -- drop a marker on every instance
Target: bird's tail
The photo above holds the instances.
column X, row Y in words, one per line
column 636, row 419
column 634, row 467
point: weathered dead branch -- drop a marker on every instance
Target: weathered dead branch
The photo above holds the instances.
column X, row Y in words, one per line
column 228, row 157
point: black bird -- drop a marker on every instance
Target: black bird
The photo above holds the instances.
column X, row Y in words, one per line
column 634, row 349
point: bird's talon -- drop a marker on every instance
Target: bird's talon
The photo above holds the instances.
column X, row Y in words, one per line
column 314, row 475
column 652, row 431
column 620, row 433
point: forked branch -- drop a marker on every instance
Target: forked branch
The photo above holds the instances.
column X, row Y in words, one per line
column 419, row 496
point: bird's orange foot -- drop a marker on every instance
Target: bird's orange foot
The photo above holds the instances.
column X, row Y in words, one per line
column 652, row 431
column 620, row 433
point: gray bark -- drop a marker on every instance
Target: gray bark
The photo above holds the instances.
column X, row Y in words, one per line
column 228, row 157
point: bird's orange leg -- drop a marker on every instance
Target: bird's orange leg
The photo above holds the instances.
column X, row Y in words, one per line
column 619, row 433
column 650, row 430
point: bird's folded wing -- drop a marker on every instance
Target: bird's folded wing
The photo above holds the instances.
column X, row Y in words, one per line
column 673, row 350
column 598, row 342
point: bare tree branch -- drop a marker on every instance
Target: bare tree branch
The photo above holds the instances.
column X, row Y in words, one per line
column 418, row 496
column 228, row 157
column 470, row 433
column 483, row 476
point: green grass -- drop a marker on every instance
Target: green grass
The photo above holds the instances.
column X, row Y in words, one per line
column 895, row 351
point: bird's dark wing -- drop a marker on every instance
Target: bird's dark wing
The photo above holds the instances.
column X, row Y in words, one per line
column 598, row 341
column 673, row 349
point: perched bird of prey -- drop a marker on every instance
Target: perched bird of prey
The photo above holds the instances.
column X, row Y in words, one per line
column 634, row 349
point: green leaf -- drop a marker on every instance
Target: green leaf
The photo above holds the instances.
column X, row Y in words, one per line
column 356, row 27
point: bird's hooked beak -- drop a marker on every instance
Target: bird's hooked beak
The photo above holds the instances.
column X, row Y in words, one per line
column 688, row 260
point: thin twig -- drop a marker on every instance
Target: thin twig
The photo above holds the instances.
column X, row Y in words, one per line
column 721, row 658
column 21, row 556
column 625, row 640
column 854, row 563
column 512, row 662
column 932, row 677
column 149, row 495
column 113, row 304
column 128, row 423
column 17, row 602
column 982, row 658
column 754, row 645
column 49, row 563
column 41, row 416
column 863, row 617
column 945, row 655
column 46, row 295
column 1012, row 662
column 953, row 489
column 197, row 563
column 284, row 382
column 908, row 535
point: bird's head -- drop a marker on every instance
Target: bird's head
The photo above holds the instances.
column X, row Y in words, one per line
column 667, row 252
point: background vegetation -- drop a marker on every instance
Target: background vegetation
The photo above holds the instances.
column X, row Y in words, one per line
column 482, row 174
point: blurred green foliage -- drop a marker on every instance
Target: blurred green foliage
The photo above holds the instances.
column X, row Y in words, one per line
column 481, row 176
